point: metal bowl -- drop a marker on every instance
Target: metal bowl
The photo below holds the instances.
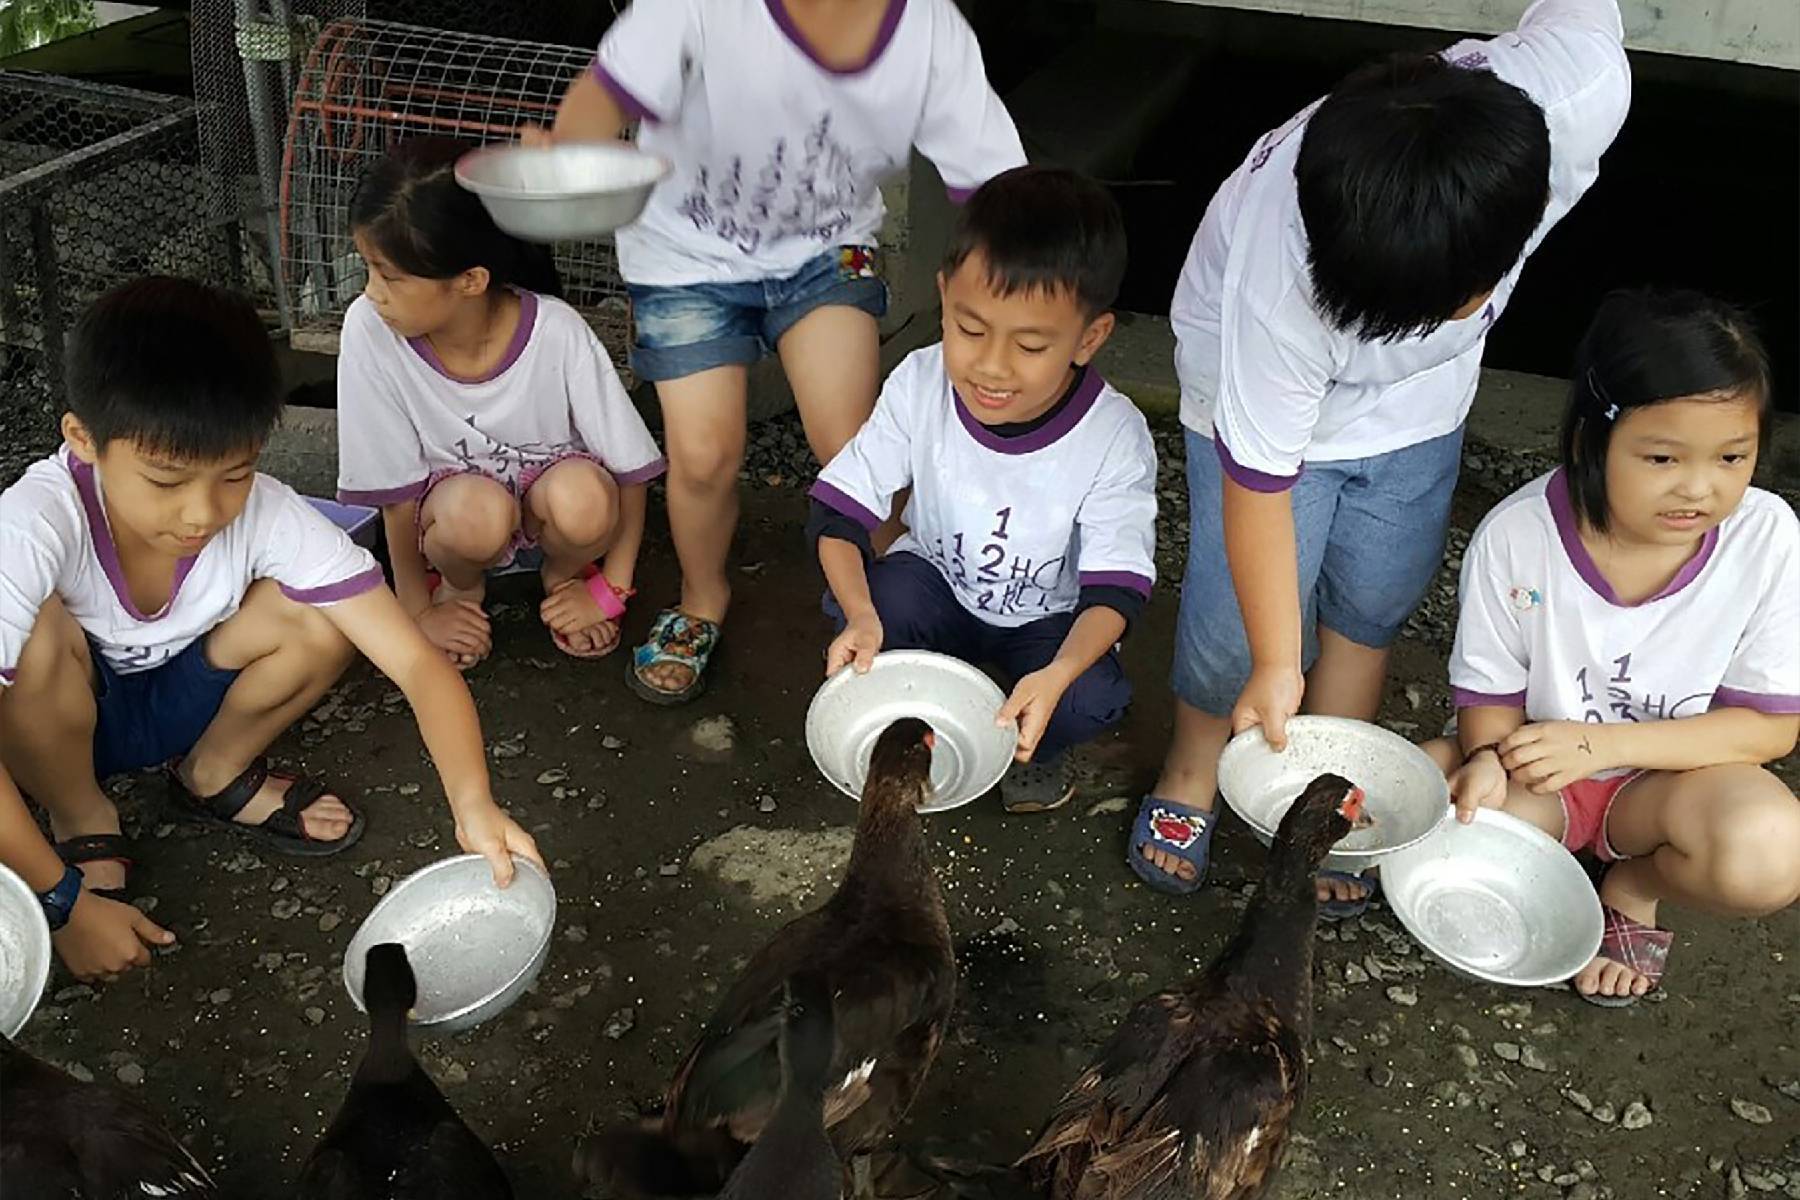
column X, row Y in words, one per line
column 474, row 948
column 24, row 952
column 1498, row 900
column 1407, row 795
column 568, row 191
column 849, row 713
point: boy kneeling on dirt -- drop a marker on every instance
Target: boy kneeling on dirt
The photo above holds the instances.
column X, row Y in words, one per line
column 163, row 604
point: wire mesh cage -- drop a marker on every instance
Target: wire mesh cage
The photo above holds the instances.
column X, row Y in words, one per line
column 98, row 185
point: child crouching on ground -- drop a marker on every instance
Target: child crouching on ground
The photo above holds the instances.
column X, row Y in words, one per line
column 162, row 603
column 482, row 415
column 1031, row 531
column 1628, row 653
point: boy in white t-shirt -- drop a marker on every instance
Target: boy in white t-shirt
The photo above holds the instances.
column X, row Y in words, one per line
column 780, row 119
column 1031, row 529
column 164, row 604
column 1329, row 323
column 1628, row 653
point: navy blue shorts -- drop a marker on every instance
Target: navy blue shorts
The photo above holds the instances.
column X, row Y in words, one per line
column 685, row 330
column 148, row 717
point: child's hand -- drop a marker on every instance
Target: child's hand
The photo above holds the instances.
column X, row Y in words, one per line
column 1271, row 695
column 1478, row 783
column 1033, row 701
column 536, row 136
column 495, row 836
column 856, row 647
column 1550, row 755
column 104, row 939
column 460, row 629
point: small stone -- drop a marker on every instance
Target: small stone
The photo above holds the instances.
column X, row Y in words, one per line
column 1507, row 1051
column 1353, row 973
column 315, row 1015
column 1583, row 1191
column 1461, row 1033
column 620, row 1023
column 1734, row 1186
column 408, row 789
column 1790, row 1089
column 130, row 1074
column 79, row 1072
column 163, row 831
column 1381, row 1075
column 453, row 1073
column 669, row 869
column 575, row 933
column 423, row 838
column 75, row 991
column 285, row 908
column 1546, row 1172
column 1467, row 1056
column 1405, row 997
column 221, row 996
column 554, row 775
column 1566, row 1179
column 329, row 921
column 1579, row 1100
column 766, row 804
column 1749, row 1110
column 1604, row 1113
column 1532, row 1059
column 1636, row 1116
column 270, row 961
column 278, row 884
column 380, row 885
column 1586, row 1170
column 1106, row 808
column 609, row 742
column 1517, row 1149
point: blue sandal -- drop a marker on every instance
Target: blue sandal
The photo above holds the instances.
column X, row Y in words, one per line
column 1343, row 910
column 1185, row 833
column 682, row 640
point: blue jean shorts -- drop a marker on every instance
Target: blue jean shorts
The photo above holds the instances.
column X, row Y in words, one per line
column 148, row 717
column 685, row 330
column 1370, row 535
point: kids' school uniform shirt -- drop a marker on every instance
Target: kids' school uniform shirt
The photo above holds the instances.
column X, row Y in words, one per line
column 777, row 157
column 55, row 540
column 1263, row 373
column 1541, row 629
column 1018, row 526
column 403, row 419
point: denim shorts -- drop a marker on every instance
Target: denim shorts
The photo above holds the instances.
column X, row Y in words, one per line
column 1370, row 535
column 148, row 717
column 685, row 330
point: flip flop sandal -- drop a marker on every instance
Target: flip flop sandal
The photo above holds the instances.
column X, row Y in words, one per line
column 611, row 601
column 282, row 831
column 1185, row 833
column 94, row 848
column 678, row 639
column 1343, row 910
column 1643, row 948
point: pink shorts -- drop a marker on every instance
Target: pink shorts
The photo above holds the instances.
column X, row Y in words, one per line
column 1585, row 806
column 527, row 477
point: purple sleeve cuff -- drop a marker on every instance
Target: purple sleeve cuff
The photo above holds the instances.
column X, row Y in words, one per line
column 382, row 497
column 644, row 474
column 1256, row 481
column 628, row 104
column 1465, row 698
column 1772, row 704
column 837, row 501
column 8, row 674
column 343, row 589
column 1131, row 581
column 959, row 195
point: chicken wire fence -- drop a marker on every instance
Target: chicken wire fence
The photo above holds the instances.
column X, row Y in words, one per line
column 98, row 185
column 299, row 101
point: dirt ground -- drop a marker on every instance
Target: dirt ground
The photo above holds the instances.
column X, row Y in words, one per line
column 672, row 861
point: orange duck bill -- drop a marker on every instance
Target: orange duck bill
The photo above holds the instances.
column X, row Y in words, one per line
column 1352, row 809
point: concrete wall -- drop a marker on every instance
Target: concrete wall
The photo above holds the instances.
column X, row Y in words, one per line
column 1762, row 32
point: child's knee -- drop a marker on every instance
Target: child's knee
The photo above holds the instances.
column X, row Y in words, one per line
column 1757, row 855
column 55, row 666
column 475, row 521
column 705, row 463
column 578, row 503
column 1097, row 700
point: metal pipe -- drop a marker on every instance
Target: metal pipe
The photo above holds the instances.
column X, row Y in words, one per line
column 268, row 157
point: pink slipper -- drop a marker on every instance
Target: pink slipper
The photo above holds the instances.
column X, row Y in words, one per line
column 611, row 601
column 1632, row 944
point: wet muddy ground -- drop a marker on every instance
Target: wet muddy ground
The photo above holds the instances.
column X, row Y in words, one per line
column 675, row 853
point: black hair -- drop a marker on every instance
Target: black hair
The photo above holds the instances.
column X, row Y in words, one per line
column 1646, row 347
column 410, row 205
column 1044, row 229
column 1419, row 184
column 180, row 368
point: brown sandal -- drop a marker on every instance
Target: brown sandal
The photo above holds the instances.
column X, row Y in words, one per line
column 282, row 830
column 94, row 848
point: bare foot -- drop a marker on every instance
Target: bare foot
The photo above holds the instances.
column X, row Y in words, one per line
column 1603, row 976
column 1167, row 861
column 1331, row 887
column 456, row 623
column 325, row 820
column 575, row 620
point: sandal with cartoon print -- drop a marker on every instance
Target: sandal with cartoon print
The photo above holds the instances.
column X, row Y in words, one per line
column 1184, row 832
column 676, row 639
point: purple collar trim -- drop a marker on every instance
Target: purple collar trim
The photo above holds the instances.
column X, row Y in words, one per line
column 108, row 552
column 528, row 308
column 1086, row 392
column 1568, row 529
column 890, row 21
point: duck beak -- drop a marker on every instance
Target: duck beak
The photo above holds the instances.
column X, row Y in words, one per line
column 1352, row 810
column 930, row 740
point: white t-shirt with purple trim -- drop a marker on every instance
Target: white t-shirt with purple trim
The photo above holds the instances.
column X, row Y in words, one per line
column 1018, row 526
column 777, row 157
column 1264, row 374
column 1542, row 630
column 554, row 393
column 55, row 540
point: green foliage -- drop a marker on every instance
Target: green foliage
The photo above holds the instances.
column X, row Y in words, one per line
column 28, row 24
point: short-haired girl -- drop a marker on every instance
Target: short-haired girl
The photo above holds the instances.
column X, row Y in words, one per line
column 482, row 415
column 1628, row 654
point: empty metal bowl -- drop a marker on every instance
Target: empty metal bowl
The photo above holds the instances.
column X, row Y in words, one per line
column 474, row 948
column 24, row 952
column 1498, row 900
column 849, row 713
column 567, row 191
column 1407, row 795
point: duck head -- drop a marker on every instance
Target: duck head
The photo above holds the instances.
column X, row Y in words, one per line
column 1329, row 808
column 900, row 765
column 388, row 982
